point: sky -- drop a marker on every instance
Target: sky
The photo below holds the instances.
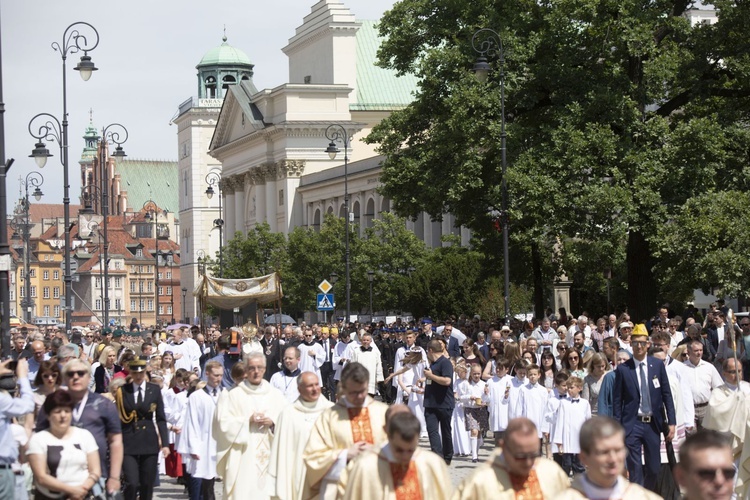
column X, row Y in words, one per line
column 146, row 57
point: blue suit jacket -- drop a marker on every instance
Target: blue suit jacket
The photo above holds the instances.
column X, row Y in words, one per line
column 627, row 395
column 454, row 350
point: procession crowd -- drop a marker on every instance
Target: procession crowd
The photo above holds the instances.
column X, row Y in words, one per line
column 577, row 407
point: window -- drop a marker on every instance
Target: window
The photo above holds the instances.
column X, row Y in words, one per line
column 150, row 286
column 150, row 305
column 161, row 309
column 45, row 276
column 23, row 292
column 33, row 292
column 45, row 294
column 169, row 309
column 132, row 286
column 132, row 304
column 56, row 292
column 109, row 282
column 45, row 310
column 139, row 252
column 32, row 272
column 140, row 286
column 159, row 276
column 118, row 265
column 12, row 294
column 169, row 290
column 98, row 304
column 118, row 304
column 169, row 275
column 161, row 291
column 57, row 311
column 141, row 303
column 118, row 282
column 133, row 269
column 98, row 283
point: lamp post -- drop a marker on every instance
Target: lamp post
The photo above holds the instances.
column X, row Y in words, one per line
column 170, row 261
column 184, row 311
column 51, row 129
column 22, row 222
column 118, row 135
column 333, row 279
column 486, row 42
column 370, row 278
column 337, row 133
column 153, row 213
column 202, row 271
column 213, row 178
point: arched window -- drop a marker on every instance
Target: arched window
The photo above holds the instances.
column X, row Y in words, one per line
column 211, row 87
column 227, row 81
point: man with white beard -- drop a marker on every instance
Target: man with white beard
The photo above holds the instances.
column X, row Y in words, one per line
column 287, row 469
column 311, row 355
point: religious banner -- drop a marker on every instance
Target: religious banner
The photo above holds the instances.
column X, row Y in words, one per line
column 231, row 293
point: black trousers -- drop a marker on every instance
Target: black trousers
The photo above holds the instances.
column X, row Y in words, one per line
column 140, row 475
column 438, row 422
column 329, row 388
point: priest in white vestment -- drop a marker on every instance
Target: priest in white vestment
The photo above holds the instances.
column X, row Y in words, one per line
column 199, row 444
column 399, row 468
column 516, row 471
column 312, row 355
column 352, row 426
column 243, row 429
column 287, row 470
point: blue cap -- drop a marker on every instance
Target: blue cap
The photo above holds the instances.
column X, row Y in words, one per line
column 426, row 320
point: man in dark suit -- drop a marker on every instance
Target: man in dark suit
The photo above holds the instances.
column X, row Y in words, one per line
column 326, row 369
column 137, row 403
column 641, row 396
column 454, row 348
column 271, row 350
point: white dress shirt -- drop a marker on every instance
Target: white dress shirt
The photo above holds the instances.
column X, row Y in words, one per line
column 642, row 382
column 703, row 379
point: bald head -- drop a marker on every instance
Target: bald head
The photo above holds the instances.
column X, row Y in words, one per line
column 38, row 349
column 308, row 386
column 393, row 410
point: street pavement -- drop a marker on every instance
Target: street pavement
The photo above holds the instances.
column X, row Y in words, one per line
column 460, row 468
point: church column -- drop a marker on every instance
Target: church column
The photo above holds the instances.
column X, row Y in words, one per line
column 227, row 189
column 377, row 199
column 446, row 227
column 260, row 194
column 271, row 195
column 289, row 173
column 427, row 225
column 465, row 236
column 239, row 203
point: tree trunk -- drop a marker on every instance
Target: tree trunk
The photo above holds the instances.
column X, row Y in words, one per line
column 642, row 292
column 539, row 287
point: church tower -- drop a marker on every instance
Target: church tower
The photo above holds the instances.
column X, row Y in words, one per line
column 89, row 164
column 196, row 118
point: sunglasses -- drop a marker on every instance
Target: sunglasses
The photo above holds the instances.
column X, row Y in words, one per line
column 50, row 375
column 710, row 474
column 524, row 456
column 572, row 357
column 76, row 373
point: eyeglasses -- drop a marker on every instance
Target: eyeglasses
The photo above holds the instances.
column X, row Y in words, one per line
column 89, row 336
column 743, row 325
column 572, row 357
column 710, row 474
column 50, row 375
column 76, row 373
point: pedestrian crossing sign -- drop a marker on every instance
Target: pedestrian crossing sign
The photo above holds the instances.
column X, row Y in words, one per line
column 325, row 302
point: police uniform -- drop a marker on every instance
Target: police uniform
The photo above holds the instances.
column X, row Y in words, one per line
column 139, row 435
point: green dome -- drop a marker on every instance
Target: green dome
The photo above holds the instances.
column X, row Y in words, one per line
column 225, row 55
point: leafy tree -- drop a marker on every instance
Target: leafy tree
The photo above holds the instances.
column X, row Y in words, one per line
column 258, row 253
column 619, row 113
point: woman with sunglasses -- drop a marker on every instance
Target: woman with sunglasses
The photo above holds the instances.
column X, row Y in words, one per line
column 572, row 362
column 47, row 381
column 496, row 354
column 63, row 458
column 548, row 370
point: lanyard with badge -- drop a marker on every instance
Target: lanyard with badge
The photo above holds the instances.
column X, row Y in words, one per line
column 78, row 411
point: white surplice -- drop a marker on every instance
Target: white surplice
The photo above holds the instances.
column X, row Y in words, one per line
column 312, row 363
column 199, row 415
column 571, row 416
column 499, row 402
column 533, row 402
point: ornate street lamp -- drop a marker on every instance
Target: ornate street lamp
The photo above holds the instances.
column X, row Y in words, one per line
column 213, row 178
column 337, row 133
column 486, row 42
column 51, row 129
column 21, row 221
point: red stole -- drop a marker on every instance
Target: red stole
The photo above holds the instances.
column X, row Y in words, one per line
column 359, row 419
column 526, row 488
column 406, row 481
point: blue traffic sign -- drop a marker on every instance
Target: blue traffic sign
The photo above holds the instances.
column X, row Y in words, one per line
column 325, row 302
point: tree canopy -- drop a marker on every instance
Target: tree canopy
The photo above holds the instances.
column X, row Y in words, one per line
column 627, row 132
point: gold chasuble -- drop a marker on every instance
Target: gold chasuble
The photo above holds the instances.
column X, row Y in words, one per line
column 376, row 476
column 334, row 432
column 492, row 480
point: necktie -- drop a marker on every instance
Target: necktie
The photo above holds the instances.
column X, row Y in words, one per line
column 140, row 396
column 645, row 396
column 327, row 353
column 214, row 391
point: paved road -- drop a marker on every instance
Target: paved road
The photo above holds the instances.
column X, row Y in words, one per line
column 459, row 469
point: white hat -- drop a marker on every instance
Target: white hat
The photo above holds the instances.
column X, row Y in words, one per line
column 625, row 324
column 505, row 328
